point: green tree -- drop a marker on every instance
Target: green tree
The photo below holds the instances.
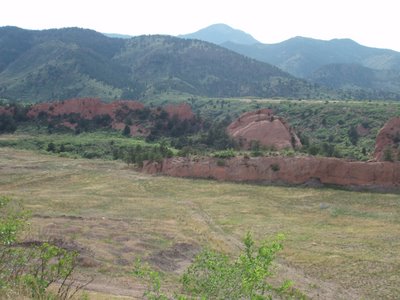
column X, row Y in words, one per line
column 353, row 135
column 126, row 131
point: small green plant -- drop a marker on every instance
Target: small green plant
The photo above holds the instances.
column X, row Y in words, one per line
column 214, row 275
column 152, row 278
column 256, row 149
column 388, row 154
column 275, row 167
column 221, row 162
column 229, row 153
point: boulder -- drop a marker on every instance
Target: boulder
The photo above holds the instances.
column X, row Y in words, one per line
column 183, row 111
column 263, row 127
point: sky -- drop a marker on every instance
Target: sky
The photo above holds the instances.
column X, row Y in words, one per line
column 368, row 22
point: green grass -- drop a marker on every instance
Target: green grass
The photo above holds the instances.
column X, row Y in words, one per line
column 88, row 144
column 339, row 244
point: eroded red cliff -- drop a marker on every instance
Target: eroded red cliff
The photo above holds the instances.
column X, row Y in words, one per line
column 287, row 170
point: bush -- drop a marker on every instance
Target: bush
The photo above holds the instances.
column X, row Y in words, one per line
column 388, row 154
column 229, row 153
column 7, row 124
column 275, row 167
column 214, row 275
column 28, row 269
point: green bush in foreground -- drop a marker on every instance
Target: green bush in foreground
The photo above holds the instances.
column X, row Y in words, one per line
column 27, row 269
column 214, row 275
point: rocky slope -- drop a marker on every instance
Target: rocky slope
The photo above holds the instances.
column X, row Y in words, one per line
column 263, row 127
column 387, row 147
column 285, row 170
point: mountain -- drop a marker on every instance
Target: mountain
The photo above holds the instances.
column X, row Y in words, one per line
column 118, row 36
column 338, row 63
column 359, row 79
column 221, row 33
column 74, row 62
column 59, row 64
column 302, row 56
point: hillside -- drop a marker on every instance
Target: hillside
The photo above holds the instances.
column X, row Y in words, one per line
column 162, row 63
column 357, row 79
column 73, row 62
column 59, row 64
column 221, row 33
column 301, row 56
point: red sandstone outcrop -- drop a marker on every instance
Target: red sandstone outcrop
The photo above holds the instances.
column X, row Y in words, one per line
column 387, row 146
column 6, row 111
column 263, row 126
column 288, row 170
column 89, row 108
column 183, row 111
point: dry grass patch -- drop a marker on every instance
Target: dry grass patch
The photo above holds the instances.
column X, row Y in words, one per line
column 340, row 244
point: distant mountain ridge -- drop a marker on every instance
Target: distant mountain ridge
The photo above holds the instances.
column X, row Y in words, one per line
column 301, row 56
column 318, row 61
column 74, row 62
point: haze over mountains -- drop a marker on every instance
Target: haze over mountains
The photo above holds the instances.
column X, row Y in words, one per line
column 338, row 63
column 217, row 61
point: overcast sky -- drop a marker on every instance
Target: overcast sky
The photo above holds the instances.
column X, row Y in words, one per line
column 368, row 22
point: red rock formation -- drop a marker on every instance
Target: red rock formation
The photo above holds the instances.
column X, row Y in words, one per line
column 88, row 108
column 263, row 126
column 288, row 170
column 388, row 141
column 183, row 111
column 6, row 111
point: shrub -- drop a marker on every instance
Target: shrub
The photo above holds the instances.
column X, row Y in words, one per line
column 229, row 153
column 214, row 275
column 275, row 167
column 28, row 269
column 221, row 162
column 388, row 154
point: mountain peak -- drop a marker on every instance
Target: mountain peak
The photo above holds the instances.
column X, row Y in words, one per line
column 221, row 33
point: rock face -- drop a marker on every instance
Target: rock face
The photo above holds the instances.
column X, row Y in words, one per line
column 183, row 111
column 387, row 146
column 264, row 127
column 90, row 108
column 6, row 111
column 287, row 170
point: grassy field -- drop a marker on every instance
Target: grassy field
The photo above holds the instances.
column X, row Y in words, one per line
column 339, row 244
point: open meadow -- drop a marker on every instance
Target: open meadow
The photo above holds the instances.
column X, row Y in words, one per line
column 339, row 244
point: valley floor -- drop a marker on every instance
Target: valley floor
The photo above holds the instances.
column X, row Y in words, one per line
column 339, row 244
